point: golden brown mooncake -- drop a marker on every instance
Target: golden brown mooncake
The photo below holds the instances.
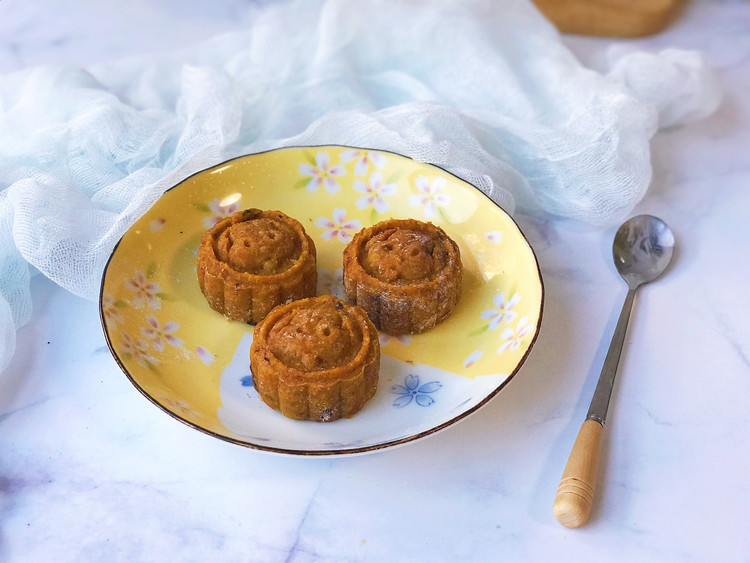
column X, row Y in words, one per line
column 316, row 359
column 253, row 261
column 406, row 274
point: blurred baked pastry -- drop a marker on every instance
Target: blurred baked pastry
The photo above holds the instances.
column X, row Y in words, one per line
column 253, row 261
column 316, row 359
column 405, row 274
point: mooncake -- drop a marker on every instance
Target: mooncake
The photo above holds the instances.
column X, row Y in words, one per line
column 316, row 359
column 406, row 274
column 253, row 261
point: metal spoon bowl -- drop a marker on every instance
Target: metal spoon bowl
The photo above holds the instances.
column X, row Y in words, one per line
column 642, row 250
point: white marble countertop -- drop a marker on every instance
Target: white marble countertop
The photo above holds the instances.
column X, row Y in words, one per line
column 90, row 471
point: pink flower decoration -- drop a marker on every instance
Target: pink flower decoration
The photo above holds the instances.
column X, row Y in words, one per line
column 144, row 290
column 363, row 158
column 220, row 212
column 111, row 315
column 503, row 311
column 403, row 339
column 338, row 228
column 138, row 349
column 513, row 337
column 472, row 358
column 374, row 192
column 331, row 283
column 429, row 195
column 204, row 355
column 494, row 236
column 159, row 334
column 322, row 173
column 180, row 407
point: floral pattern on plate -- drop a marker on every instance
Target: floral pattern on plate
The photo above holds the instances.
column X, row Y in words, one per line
column 219, row 209
column 430, row 195
column 331, row 283
column 503, row 311
column 363, row 159
column 322, row 173
column 375, row 193
column 194, row 363
column 412, row 390
column 145, row 292
column 513, row 337
column 338, row 227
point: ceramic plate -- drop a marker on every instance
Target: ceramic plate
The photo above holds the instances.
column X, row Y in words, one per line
column 193, row 363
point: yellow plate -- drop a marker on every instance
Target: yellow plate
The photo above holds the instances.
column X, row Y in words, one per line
column 193, row 363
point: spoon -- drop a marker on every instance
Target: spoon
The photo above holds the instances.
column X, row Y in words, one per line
column 642, row 250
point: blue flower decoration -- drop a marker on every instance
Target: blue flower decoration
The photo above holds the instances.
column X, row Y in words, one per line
column 247, row 381
column 412, row 390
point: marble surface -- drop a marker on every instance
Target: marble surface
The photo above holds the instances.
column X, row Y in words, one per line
column 91, row 471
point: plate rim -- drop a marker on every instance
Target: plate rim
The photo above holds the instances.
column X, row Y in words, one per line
column 346, row 451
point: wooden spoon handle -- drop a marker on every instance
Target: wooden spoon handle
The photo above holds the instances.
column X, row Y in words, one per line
column 575, row 493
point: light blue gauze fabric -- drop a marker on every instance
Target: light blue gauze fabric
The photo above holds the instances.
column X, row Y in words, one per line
column 485, row 89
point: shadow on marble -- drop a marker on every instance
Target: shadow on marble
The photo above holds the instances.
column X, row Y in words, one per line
column 6, row 506
column 28, row 341
column 557, row 456
column 681, row 155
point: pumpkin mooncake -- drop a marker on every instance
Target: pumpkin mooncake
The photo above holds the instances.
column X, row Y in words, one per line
column 406, row 274
column 316, row 359
column 253, row 261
